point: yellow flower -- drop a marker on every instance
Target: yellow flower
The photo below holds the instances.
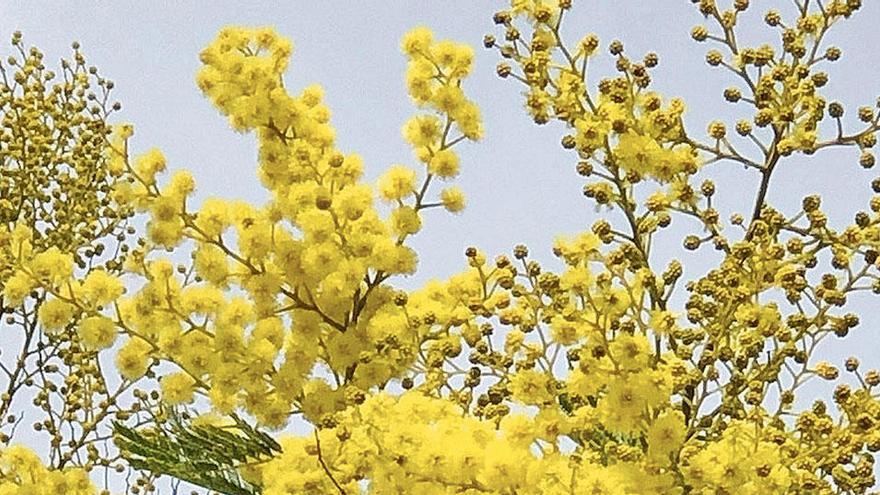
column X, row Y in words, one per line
column 448, row 99
column 416, row 41
column 211, row 264
column 666, row 435
column 398, row 182
column 637, row 152
column 97, row 332
column 622, row 409
column 422, row 130
column 353, row 201
column 133, row 358
column 405, row 221
column 631, row 352
column 52, row 265
column 452, row 199
column 444, row 164
column 213, row 218
column 22, row 473
column 55, row 314
column 17, row 287
column 470, row 123
column 532, row 387
column 147, row 165
column 577, row 249
column 100, row 288
column 663, row 322
column 177, row 388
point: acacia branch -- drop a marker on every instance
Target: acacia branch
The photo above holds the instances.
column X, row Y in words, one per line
column 324, row 465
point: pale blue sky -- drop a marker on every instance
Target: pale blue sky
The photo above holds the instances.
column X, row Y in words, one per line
column 521, row 185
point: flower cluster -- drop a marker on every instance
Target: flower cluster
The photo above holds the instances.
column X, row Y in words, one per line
column 275, row 292
column 62, row 229
column 727, row 366
column 391, row 441
column 617, row 373
column 22, row 473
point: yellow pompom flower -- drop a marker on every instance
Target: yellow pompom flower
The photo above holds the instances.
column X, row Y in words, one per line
column 452, row 199
column 52, row 265
column 182, row 184
column 100, row 288
column 17, row 288
column 166, row 234
column 22, row 473
column 631, row 352
column 416, row 41
column 97, row 332
column 397, row 183
column 666, row 435
column 532, row 387
column 55, row 314
column 213, row 218
column 423, row 130
column 133, row 358
column 211, row 264
column 470, row 122
column 177, row 388
column 406, row 221
column 147, row 165
column 448, row 99
column 622, row 408
column 444, row 164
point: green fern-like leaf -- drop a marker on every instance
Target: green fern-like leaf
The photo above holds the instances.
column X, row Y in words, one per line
column 203, row 455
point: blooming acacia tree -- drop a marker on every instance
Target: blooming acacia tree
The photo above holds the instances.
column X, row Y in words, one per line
column 508, row 378
column 58, row 215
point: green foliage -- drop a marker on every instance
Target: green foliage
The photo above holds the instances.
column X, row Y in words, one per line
column 204, row 455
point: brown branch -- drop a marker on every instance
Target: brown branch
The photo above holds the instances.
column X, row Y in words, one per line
column 324, row 465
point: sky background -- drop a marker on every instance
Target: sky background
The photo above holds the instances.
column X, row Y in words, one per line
column 520, row 184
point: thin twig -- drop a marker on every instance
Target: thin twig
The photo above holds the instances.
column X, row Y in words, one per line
column 324, row 465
